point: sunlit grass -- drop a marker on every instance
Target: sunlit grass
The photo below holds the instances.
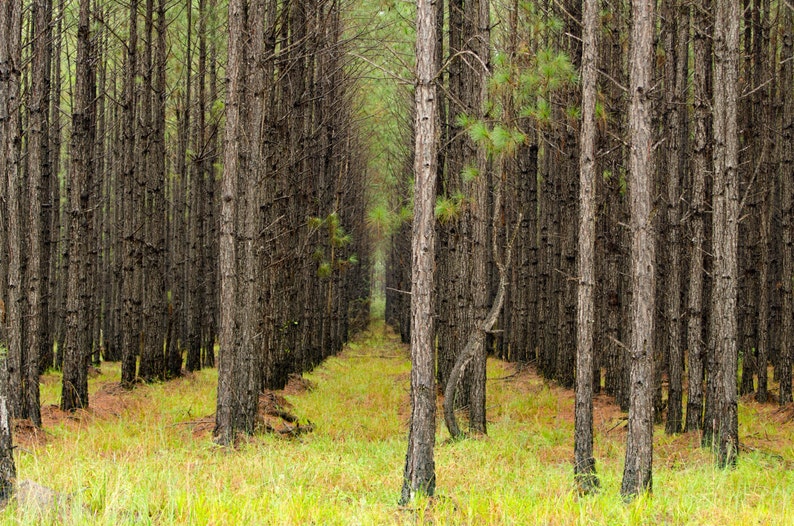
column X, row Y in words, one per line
column 136, row 460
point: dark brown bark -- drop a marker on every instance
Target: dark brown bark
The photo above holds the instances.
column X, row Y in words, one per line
column 786, row 176
column 675, row 81
column 130, row 333
column 701, row 166
column 236, row 404
column 38, row 166
column 153, row 361
column 54, row 239
column 13, row 307
column 764, row 154
column 196, row 284
column 584, row 462
column 77, row 349
column 637, row 474
column 8, row 471
column 722, row 431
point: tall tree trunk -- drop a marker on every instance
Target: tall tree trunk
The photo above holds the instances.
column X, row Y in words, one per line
column 584, row 462
column 701, row 166
column 130, row 337
column 235, row 399
column 786, row 175
column 677, row 51
column 637, row 474
column 419, row 476
column 54, row 238
column 38, row 166
column 153, row 362
column 764, row 163
column 76, row 346
column 197, row 283
column 13, row 310
column 722, row 431
column 479, row 212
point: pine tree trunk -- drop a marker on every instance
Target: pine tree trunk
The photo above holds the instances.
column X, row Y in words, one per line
column 38, row 166
column 701, row 166
column 236, row 404
column 723, row 429
column 677, row 47
column 77, row 350
column 153, row 362
column 130, row 335
column 8, row 471
column 54, row 238
column 584, row 462
column 786, row 176
column 637, row 474
column 12, row 174
column 419, row 476
column 764, row 155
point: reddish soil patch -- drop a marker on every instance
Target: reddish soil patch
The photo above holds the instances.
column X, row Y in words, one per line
column 297, row 385
column 272, row 416
column 607, row 415
column 26, row 435
column 111, row 400
column 203, row 426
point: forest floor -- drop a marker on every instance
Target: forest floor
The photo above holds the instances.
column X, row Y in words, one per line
column 146, row 456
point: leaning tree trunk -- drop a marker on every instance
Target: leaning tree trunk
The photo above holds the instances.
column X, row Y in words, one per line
column 475, row 344
column 419, row 477
column 637, row 474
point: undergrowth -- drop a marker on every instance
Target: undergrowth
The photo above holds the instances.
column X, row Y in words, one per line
column 146, row 457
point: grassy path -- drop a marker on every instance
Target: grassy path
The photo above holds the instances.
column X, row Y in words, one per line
column 146, row 457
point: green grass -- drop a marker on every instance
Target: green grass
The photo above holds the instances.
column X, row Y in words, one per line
column 136, row 460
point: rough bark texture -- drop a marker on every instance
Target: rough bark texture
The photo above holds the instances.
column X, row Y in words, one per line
column 783, row 371
column 475, row 344
column 675, row 81
column 722, row 430
column 419, row 476
column 38, row 179
column 13, row 308
column 77, row 349
column 584, row 462
column 637, row 476
column 130, row 332
column 8, row 471
column 701, row 166
column 233, row 397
